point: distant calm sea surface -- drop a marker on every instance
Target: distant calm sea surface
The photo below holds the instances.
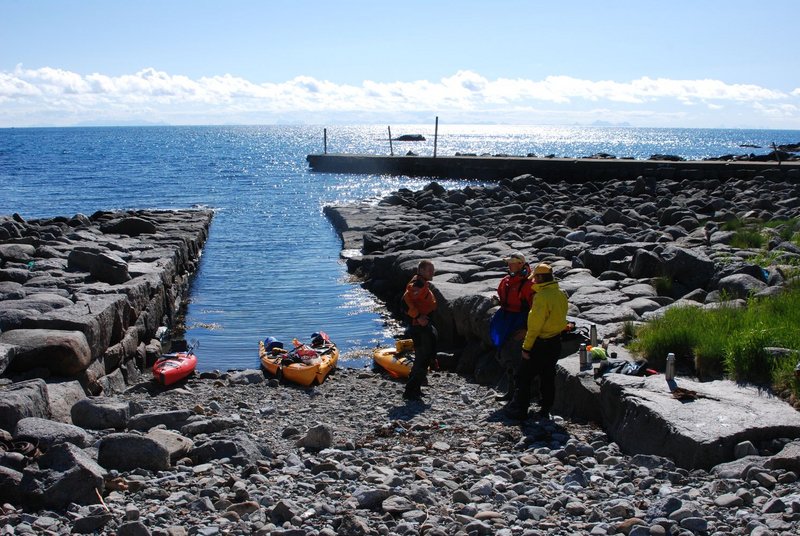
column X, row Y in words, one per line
column 271, row 265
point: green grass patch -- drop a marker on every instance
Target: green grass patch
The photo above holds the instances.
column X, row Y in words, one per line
column 788, row 230
column 730, row 341
column 747, row 238
column 663, row 285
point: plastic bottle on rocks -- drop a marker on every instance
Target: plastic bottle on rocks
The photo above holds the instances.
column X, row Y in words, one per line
column 669, row 370
column 583, row 356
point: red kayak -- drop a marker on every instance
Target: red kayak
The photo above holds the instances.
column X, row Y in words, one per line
column 171, row 368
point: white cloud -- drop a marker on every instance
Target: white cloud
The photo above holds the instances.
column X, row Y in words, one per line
column 42, row 93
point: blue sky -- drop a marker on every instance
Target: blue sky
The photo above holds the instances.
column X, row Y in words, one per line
column 678, row 64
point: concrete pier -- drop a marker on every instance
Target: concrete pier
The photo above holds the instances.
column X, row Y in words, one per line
column 575, row 170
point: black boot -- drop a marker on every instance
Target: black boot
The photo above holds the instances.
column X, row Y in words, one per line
column 509, row 393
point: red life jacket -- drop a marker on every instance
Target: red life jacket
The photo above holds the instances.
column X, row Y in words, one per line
column 516, row 292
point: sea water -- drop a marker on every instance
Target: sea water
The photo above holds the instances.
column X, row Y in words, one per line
column 271, row 266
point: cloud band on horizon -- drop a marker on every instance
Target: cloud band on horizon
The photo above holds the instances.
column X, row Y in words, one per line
column 31, row 97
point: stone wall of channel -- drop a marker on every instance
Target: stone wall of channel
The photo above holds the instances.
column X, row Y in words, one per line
column 623, row 250
column 81, row 298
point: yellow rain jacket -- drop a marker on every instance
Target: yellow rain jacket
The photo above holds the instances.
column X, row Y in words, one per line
column 548, row 315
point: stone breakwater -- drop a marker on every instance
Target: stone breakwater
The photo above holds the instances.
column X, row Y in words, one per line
column 610, row 244
column 81, row 298
column 233, row 453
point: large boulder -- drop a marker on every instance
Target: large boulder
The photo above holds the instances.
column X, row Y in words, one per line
column 131, row 226
column 103, row 319
column 646, row 264
column 62, row 396
column 102, row 265
column 690, row 267
column 740, row 286
column 100, row 413
column 126, row 451
column 17, row 253
column 46, row 433
column 65, row 474
column 11, row 290
column 63, row 353
column 23, row 399
column 698, row 430
column 600, row 259
column 177, row 445
column 239, row 447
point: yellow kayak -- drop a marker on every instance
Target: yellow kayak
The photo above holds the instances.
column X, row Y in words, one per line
column 278, row 362
column 396, row 361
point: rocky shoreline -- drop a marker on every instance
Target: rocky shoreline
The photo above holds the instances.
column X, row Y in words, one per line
column 235, row 453
column 611, row 244
column 238, row 453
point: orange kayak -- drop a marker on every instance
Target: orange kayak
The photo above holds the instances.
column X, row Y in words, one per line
column 279, row 363
column 397, row 364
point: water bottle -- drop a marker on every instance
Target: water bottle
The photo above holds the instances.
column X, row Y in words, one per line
column 583, row 355
column 593, row 335
column 669, row 371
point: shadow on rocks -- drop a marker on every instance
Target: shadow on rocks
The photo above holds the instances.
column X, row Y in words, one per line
column 408, row 410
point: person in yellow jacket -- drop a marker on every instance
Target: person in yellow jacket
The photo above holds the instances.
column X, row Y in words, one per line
column 420, row 303
column 542, row 345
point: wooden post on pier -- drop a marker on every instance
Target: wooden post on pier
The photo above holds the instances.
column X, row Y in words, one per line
column 777, row 156
column 325, row 139
column 435, row 136
column 391, row 150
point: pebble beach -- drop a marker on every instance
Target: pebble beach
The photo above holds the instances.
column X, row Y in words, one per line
column 351, row 457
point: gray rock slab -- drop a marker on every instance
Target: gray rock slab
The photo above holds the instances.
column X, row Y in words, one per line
column 101, row 318
column 7, row 352
column 23, row 399
column 113, row 383
column 577, row 391
column 579, row 279
column 642, row 305
column 740, row 285
column 99, row 413
column 246, row 377
column 11, row 290
column 46, row 433
column 589, row 301
column 239, row 445
column 63, row 353
column 608, row 314
column 62, row 396
column 641, row 414
column 126, row 451
column 177, row 445
column 639, row 290
column 66, row 474
column 788, row 458
column 171, row 419
column 17, row 252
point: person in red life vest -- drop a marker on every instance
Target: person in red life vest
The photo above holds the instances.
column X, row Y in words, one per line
column 542, row 345
column 420, row 302
column 508, row 324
